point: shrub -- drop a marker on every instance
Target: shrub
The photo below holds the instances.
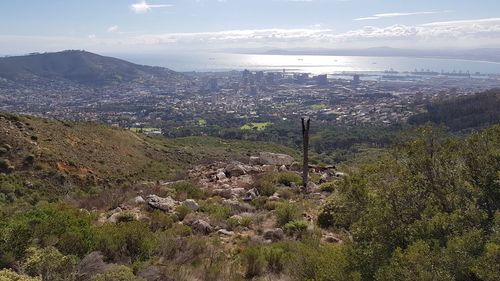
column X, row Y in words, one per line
column 117, row 273
column 9, row 275
column 66, row 228
column 266, row 185
column 338, row 212
column 187, row 190
column 182, row 211
column 50, row 264
column 296, row 228
column 309, row 261
column 215, row 209
column 287, row 178
column 487, row 266
column 255, row 262
column 6, row 166
column 286, row 212
column 275, row 258
column 328, row 186
column 418, row 262
column 160, row 220
column 125, row 240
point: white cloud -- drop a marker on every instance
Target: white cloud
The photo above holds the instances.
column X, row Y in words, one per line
column 112, row 29
column 392, row 15
column 465, row 33
column 143, row 7
column 449, row 34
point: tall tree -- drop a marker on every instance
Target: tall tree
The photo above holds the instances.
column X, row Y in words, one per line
column 306, row 121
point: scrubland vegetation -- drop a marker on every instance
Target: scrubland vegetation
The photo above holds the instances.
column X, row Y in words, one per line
column 427, row 208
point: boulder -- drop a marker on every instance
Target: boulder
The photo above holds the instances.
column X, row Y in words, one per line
column 132, row 215
column 139, row 200
column 202, row 227
column 274, row 197
column 239, row 207
column 164, row 204
column 235, row 169
column 251, row 194
column 191, row 204
column 221, row 176
column 276, row 234
column 254, row 160
column 237, row 192
column 331, row 238
column 268, row 158
column 225, row 232
column 223, row 192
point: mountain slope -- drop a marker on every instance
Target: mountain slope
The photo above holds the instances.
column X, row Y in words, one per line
column 89, row 153
column 479, row 110
column 78, row 66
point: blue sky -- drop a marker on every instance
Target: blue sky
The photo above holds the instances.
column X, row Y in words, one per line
column 159, row 25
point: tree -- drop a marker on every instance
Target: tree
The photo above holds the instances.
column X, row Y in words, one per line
column 305, row 138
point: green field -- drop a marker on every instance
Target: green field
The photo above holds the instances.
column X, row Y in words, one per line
column 144, row 130
column 256, row 126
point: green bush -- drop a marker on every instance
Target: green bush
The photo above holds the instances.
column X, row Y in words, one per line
column 50, row 264
column 296, row 228
column 266, row 185
column 215, row 209
column 338, row 211
column 287, row 178
column 9, row 275
column 132, row 240
column 275, row 259
column 255, row 262
column 160, row 220
column 182, row 211
column 59, row 225
column 487, row 267
column 328, row 186
column 6, row 166
column 187, row 190
column 287, row 212
column 309, row 261
column 117, row 273
column 418, row 262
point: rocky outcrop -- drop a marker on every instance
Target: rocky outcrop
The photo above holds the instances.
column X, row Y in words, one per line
column 202, row 227
column 251, row 194
column 268, row 158
column 274, row 235
column 239, row 207
column 236, row 169
column 165, row 204
column 191, row 204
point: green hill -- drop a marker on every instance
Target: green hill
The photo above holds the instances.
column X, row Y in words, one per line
column 479, row 110
column 89, row 153
column 80, row 67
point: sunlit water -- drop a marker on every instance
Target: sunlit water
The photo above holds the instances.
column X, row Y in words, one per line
column 310, row 64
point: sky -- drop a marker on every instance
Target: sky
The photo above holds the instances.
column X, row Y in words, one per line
column 149, row 26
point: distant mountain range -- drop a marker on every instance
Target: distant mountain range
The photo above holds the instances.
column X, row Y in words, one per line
column 484, row 54
column 79, row 67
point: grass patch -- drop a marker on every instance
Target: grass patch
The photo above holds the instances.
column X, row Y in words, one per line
column 261, row 126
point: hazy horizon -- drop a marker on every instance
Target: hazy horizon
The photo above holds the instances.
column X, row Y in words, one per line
column 156, row 26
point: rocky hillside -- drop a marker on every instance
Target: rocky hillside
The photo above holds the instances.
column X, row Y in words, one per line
column 90, row 202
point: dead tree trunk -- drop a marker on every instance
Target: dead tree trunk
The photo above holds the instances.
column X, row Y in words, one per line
column 305, row 138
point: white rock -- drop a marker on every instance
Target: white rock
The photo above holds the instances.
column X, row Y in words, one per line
column 191, row 204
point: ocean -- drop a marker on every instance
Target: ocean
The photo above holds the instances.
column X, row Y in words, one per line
column 314, row 64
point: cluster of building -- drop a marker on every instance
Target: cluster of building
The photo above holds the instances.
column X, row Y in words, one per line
column 238, row 97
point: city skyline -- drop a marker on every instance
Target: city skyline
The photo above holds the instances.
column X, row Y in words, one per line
column 125, row 26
